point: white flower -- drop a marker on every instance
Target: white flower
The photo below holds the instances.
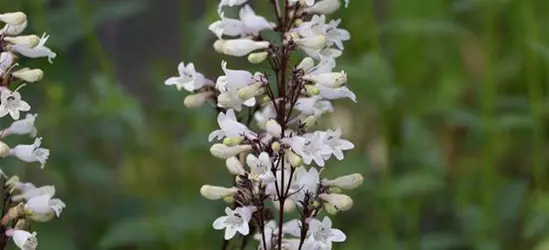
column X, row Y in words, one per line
column 14, row 184
column 233, row 79
column 254, row 23
column 11, row 103
column 310, row 147
column 235, row 221
column 29, row 41
column 292, row 227
column 323, row 234
column 42, row 208
column 6, row 61
column 29, row 75
column 188, row 78
column 23, row 239
column 324, row 7
column 39, row 50
column 196, row 100
column 273, row 128
column 260, row 167
column 282, row 189
column 336, row 93
column 306, row 182
column 333, row 140
column 313, row 106
column 331, row 80
column 22, row 127
column 317, row 26
column 32, row 152
column 13, row 30
column 230, row 99
column 229, row 127
column 249, row 24
column 340, row 202
column 34, row 192
column 242, row 47
column 264, row 115
column 229, row 3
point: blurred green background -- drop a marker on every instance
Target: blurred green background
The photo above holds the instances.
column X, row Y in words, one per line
column 451, row 125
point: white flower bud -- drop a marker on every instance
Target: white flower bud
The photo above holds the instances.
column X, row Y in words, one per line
column 223, row 151
column 340, row 201
column 251, row 90
column 6, row 60
column 29, row 75
column 196, row 100
column 234, row 166
column 13, row 18
column 29, row 41
column 312, row 90
column 306, row 64
column 289, row 205
column 218, row 45
column 4, row 149
column 330, row 80
column 314, row 42
column 294, row 159
column 324, row 7
column 329, row 208
column 310, row 121
column 275, row 146
column 216, row 193
column 242, row 47
column 273, row 128
column 231, row 141
column 346, row 182
column 257, row 57
column 14, row 30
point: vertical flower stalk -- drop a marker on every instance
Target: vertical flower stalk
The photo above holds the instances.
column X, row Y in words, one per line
column 277, row 164
column 23, row 202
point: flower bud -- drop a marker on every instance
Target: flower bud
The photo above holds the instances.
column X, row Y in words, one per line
column 223, row 151
column 215, row 192
column 196, row 100
column 346, row 182
column 228, row 199
column 232, row 141
column 13, row 18
column 21, row 224
column 241, row 47
column 293, row 158
column 275, row 146
column 29, row 41
column 306, row 64
column 12, row 214
column 315, row 42
column 218, row 46
column 14, row 30
column 273, row 128
column 6, row 60
column 341, row 202
column 29, row 75
column 225, row 99
column 311, row 90
column 234, row 166
column 289, row 205
column 310, row 121
column 251, row 90
column 331, row 80
column 4, row 149
column 258, row 57
column 336, row 190
column 324, row 7
column 329, row 208
column 298, row 22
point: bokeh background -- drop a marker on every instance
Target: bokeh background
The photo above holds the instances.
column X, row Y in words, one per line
column 451, row 124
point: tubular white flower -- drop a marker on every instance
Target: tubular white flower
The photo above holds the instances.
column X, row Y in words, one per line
column 273, row 128
column 6, row 62
column 188, row 78
column 242, row 47
column 229, row 3
column 32, row 152
column 251, row 91
column 260, row 167
column 234, row 166
column 22, row 127
column 314, row 42
column 34, row 192
column 306, row 64
column 322, row 232
column 4, row 149
column 11, row 103
column 13, row 18
column 330, row 80
column 350, row 181
column 29, row 75
column 223, row 152
column 258, row 57
column 23, row 239
column 14, row 30
column 229, row 127
column 38, row 51
column 216, row 193
column 341, row 202
column 43, row 208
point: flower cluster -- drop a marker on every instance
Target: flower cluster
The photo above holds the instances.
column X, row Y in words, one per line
column 24, row 201
column 278, row 163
